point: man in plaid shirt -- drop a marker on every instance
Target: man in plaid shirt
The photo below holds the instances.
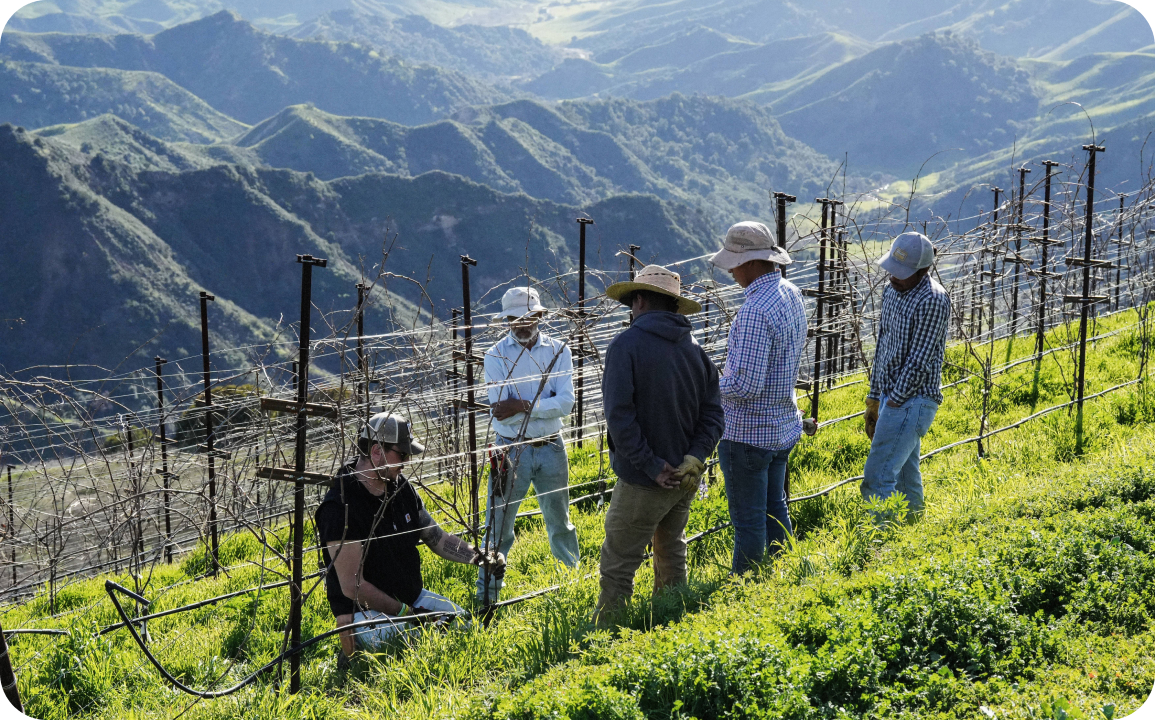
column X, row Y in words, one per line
column 762, row 418
column 905, row 380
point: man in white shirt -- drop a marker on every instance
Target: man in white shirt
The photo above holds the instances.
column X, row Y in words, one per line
column 529, row 376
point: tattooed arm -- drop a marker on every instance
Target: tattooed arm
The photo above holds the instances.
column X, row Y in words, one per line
column 449, row 546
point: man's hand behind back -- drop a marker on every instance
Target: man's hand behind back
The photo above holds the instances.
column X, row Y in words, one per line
column 666, row 479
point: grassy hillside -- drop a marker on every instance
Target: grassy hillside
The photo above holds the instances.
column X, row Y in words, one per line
column 251, row 75
column 1027, row 587
column 33, row 95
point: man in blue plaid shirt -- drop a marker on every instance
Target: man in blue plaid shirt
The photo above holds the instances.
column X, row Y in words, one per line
column 762, row 418
column 905, row 381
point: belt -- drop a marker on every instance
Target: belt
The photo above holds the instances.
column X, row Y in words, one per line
column 536, row 442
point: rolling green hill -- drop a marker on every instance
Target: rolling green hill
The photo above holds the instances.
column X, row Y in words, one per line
column 251, row 75
column 719, row 154
column 33, row 95
column 112, row 137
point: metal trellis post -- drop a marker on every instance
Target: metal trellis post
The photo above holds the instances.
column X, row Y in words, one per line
column 781, row 199
column 212, row 467
column 1086, row 299
column 579, row 378
column 295, row 598
column 362, row 366
column 12, row 524
column 470, row 401
column 1018, row 260
column 1044, row 242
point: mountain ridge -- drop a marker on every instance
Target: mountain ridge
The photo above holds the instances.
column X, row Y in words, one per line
column 249, row 74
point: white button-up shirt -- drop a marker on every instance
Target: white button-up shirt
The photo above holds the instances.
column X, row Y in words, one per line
column 514, row 372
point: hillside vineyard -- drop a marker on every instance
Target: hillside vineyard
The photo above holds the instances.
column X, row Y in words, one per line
column 234, row 236
column 412, row 371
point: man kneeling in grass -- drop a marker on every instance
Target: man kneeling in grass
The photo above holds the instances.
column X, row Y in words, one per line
column 370, row 523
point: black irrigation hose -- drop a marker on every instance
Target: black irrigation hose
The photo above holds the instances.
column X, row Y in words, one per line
column 202, row 603
column 36, row 631
column 112, row 588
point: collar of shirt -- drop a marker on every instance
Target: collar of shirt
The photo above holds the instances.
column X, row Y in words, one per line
column 509, row 348
column 763, row 282
column 921, row 284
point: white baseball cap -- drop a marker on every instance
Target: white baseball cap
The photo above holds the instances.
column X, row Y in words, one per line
column 909, row 253
column 518, row 302
column 746, row 241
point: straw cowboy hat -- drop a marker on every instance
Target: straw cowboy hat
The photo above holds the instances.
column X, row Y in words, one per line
column 656, row 278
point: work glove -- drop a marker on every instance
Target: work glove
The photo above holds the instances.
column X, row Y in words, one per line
column 492, row 561
column 809, row 426
column 689, row 471
column 871, row 417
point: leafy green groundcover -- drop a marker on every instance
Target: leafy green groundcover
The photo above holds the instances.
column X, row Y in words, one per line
column 1030, row 605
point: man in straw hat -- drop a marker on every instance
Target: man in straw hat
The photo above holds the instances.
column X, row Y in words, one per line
column 905, row 380
column 370, row 523
column 763, row 422
column 529, row 376
column 664, row 419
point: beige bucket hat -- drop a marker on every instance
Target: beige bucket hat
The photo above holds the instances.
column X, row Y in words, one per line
column 517, row 302
column 656, row 278
column 746, row 241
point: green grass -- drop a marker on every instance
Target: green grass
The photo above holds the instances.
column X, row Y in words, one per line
column 1028, row 583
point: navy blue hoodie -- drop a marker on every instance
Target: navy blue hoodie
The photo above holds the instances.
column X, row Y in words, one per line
column 661, row 398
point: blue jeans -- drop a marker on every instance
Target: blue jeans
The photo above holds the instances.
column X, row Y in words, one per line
column 547, row 469
column 892, row 466
column 374, row 638
column 754, row 491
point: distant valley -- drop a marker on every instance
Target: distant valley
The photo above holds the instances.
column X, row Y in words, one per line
column 157, row 149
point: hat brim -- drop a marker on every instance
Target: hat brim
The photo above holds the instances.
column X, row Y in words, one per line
column 617, row 291
column 728, row 259
column 412, row 447
column 895, row 268
column 506, row 316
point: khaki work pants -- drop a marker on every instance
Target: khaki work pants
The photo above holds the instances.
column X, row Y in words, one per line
column 636, row 516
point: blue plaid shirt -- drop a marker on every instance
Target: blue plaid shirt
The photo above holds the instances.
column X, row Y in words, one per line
column 763, row 354
column 912, row 332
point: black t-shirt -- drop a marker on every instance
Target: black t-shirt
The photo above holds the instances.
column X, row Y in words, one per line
column 391, row 559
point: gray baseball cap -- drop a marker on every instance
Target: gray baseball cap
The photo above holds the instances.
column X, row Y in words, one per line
column 746, row 241
column 389, row 429
column 909, row 253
